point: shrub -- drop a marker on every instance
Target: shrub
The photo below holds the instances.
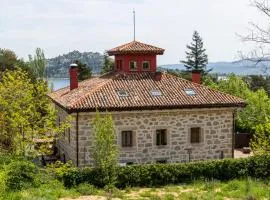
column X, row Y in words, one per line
column 59, row 168
column 86, row 189
column 164, row 174
column 20, row 174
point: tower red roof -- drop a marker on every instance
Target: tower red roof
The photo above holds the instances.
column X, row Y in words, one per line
column 136, row 47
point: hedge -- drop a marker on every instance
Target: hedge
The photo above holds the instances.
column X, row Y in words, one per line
column 163, row 174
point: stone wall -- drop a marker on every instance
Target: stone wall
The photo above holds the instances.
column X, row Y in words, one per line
column 216, row 126
column 67, row 142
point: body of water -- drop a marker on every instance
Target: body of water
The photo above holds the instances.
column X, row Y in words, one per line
column 58, row 83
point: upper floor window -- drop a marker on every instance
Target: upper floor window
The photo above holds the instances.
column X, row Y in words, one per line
column 127, row 138
column 146, row 65
column 133, row 65
column 161, row 137
column 195, row 135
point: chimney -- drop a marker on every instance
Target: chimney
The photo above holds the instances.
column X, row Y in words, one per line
column 73, row 76
column 196, row 76
column 158, row 76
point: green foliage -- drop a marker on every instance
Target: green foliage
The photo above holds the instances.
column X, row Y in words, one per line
column 257, row 110
column 8, row 60
column 164, row 174
column 84, row 72
column 105, row 149
column 59, row 168
column 20, row 174
column 86, row 189
column 256, row 82
column 235, row 86
column 108, row 64
column 25, row 113
column 196, row 58
column 260, row 142
column 38, row 64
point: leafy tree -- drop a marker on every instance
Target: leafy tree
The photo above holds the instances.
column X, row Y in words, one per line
column 10, row 61
column 196, row 58
column 108, row 64
column 234, row 85
column 26, row 113
column 256, row 112
column 256, row 82
column 38, row 63
column 105, row 151
column 84, row 72
column 258, row 103
column 260, row 142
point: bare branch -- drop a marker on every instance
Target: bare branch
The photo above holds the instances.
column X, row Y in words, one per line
column 262, row 6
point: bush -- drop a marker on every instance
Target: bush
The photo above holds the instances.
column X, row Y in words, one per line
column 164, row 174
column 86, row 189
column 20, row 174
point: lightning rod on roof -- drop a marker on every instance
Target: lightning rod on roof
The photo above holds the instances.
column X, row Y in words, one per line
column 133, row 24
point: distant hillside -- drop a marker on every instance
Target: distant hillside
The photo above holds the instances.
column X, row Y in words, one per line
column 58, row 66
column 237, row 67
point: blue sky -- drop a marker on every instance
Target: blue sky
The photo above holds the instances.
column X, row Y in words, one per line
column 60, row 26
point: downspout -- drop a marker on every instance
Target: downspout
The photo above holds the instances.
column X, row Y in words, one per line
column 233, row 133
column 77, row 138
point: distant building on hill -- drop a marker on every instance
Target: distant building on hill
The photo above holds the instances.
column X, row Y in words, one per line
column 158, row 117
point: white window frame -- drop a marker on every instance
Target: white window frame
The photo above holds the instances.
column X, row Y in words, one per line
column 136, row 66
column 149, row 65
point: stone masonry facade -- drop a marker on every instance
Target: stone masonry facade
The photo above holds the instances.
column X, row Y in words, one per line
column 216, row 125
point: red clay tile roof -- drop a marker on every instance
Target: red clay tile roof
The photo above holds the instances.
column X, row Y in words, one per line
column 135, row 47
column 102, row 94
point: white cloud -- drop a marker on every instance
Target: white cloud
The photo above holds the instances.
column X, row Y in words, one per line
column 59, row 26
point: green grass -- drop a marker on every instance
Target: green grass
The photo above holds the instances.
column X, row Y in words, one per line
column 237, row 189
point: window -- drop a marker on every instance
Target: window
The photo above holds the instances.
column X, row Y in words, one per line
column 156, row 93
column 195, row 135
column 161, row 137
column 133, row 65
column 190, row 92
column 122, row 93
column 126, row 138
column 146, row 65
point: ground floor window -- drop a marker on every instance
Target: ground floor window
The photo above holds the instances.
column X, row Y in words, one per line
column 127, row 138
column 161, row 137
column 195, row 135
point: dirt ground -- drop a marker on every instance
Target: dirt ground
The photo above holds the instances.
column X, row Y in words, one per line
column 239, row 154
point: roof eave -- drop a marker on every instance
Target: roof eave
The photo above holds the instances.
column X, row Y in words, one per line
column 170, row 107
column 115, row 53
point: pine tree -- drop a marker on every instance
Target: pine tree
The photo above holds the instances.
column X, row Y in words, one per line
column 196, row 58
column 84, row 72
column 108, row 64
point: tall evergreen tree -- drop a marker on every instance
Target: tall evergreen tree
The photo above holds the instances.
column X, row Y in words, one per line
column 84, row 72
column 108, row 64
column 38, row 64
column 196, row 58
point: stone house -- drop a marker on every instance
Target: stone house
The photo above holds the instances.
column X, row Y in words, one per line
column 158, row 117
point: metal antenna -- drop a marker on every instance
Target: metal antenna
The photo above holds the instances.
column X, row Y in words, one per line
column 134, row 23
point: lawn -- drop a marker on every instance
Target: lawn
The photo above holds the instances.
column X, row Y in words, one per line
column 235, row 189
